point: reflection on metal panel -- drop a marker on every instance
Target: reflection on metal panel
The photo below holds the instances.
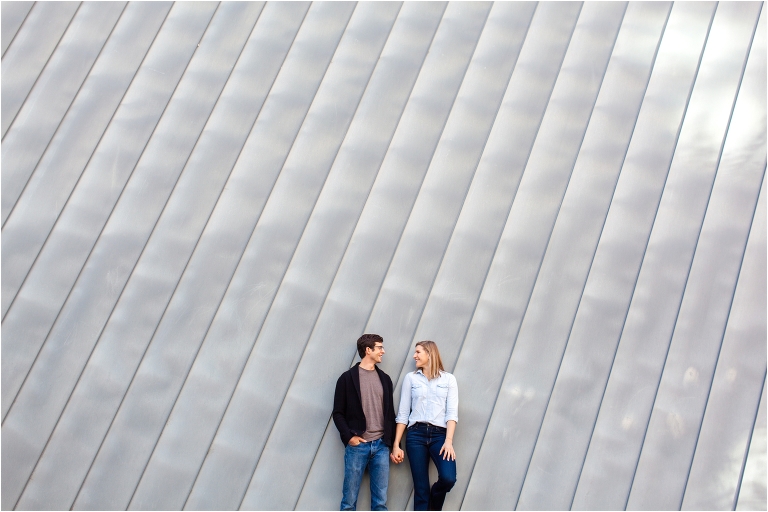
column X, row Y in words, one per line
column 695, row 343
column 24, row 61
column 752, row 492
column 551, row 474
column 736, row 387
column 52, row 95
column 12, row 15
column 70, row 244
column 527, row 238
column 205, row 204
column 608, row 292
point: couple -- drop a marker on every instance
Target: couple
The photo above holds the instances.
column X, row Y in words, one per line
column 364, row 413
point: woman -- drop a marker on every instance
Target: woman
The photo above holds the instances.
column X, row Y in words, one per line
column 429, row 403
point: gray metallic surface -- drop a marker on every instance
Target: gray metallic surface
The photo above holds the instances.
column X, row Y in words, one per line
column 752, row 489
column 720, row 452
column 369, row 27
column 403, row 167
column 52, row 95
column 632, row 386
column 23, row 63
column 575, row 237
column 682, row 394
column 252, row 180
column 67, row 153
column 521, row 247
column 131, row 221
column 597, row 327
column 168, row 251
column 12, row 15
column 67, row 248
column 205, row 204
column 474, row 109
column 350, row 183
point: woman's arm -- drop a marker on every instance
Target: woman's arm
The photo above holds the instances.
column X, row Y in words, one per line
column 451, row 417
column 452, row 401
column 403, row 412
column 447, row 450
column 404, row 407
column 397, row 454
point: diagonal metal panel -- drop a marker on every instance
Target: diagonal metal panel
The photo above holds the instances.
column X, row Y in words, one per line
column 21, row 450
column 33, row 45
column 327, row 235
column 12, row 15
column 752, row 492
column 384, row 218
column 728, row 421
column 530, row 224
column 499, row 169
column 56, row 171
column 575, row 237
column 52, row 96
column 126, row 232
column 60, row 262
column 204, row 205
column 489, row 71
column 459, row 36
column 681, row 398
column 305, row 284
column 157, row 272
column 666, row 263
column 608, row 291
column 271, row 138
column 368, row 27
column 177, row 233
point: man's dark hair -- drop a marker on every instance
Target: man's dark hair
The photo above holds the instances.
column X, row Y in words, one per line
column 369, row 341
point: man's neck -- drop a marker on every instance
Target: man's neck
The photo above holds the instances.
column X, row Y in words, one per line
column 367, row 364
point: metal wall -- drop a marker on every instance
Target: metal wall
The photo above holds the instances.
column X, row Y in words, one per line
column 204, row 205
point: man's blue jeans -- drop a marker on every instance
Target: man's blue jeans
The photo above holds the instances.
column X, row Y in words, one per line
column 375, row 456
column 422, row 443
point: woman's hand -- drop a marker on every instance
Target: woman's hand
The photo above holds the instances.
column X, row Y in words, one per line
column 447, row 450
column 356, row 440
column 397, row 455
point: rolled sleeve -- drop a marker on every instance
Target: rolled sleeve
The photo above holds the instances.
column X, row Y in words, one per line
column 404, row 408
column 452, row 402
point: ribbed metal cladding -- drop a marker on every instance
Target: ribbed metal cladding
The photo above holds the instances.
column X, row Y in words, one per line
column 205, row 204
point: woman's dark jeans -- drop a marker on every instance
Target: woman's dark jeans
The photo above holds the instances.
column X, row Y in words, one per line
column 422, row 443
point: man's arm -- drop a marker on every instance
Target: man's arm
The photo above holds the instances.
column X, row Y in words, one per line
column 339, row 408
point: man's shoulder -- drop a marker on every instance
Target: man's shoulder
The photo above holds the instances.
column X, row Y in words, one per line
column 384, row 374
column 347, row 373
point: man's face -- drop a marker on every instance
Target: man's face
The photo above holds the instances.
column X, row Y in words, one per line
column 376, row 352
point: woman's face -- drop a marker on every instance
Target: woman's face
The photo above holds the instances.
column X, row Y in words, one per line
column 421, row 357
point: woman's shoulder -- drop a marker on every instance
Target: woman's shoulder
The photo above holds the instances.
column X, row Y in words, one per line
column 447, row 375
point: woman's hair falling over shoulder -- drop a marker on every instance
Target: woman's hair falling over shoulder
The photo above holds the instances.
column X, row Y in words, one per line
column 435, row 365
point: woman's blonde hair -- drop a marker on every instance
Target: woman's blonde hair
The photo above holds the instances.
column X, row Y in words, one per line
column 435, row 364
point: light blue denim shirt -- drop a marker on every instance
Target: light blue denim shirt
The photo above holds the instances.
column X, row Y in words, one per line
column 433, row 401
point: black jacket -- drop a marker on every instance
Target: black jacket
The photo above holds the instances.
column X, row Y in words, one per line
column 348, row 407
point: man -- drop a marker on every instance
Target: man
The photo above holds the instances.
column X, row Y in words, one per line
column 364, row 413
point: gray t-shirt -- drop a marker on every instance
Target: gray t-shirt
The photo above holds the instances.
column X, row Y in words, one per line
column 372, row 395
